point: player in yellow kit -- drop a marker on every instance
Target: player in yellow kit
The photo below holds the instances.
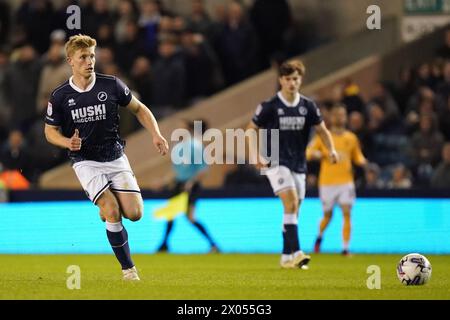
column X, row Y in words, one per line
column 336, row 185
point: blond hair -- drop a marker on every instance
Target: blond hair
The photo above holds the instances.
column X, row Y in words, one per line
column 77, row 42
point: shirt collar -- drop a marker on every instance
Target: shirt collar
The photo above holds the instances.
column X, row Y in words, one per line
column 287, row 103
column 77, row 89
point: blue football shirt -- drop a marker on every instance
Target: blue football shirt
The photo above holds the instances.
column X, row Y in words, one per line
column 294, row 122
column 94, row 112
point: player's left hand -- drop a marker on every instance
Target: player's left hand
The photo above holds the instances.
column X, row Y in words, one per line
column 334, row 157
column 161, row 144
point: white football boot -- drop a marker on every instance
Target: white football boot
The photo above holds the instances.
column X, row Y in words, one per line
column 301, row 260
column 130, row 274
column 289, row 264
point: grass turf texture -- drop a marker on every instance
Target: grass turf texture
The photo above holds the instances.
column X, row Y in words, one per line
column 227, row 276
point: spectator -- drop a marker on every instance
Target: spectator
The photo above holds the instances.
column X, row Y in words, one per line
column 199, row 20
column 312, row 181
column 443, row 89
column 390, row 144
column 271, row 19
column 54, row 73
column 357, row 125
column 441, row 176
column 325, row 107
column 141, row 77
column 43, row 155
column 413, row 105
column 162, row 9
column 237, row 45
column 169, row 78
column 201, row 66
column 424, row 76
column 383, row 98
column 15, row 155
column 5, row 22
column 445, row 120
column 425, row 108
column 104, row 56
column 372, row 177
column 22, row 80
column 95, row 14
column 131, row 47
column 352, row 99
column 149, row 21
column 436, row 77
column 105, row 36
column 36, row 17
column 444, row 51
column 5, row 109
column 127, row 10
column 401, row 178
column 404, row 89
column 426, row 145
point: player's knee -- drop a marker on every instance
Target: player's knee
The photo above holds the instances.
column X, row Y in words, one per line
column 111, row 212
column 109, row 208
column 292, row 207
column 135, row 213
column 346, row 211
column 328, row 214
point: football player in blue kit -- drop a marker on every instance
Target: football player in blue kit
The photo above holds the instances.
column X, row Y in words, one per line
column 83, row 117
column 294, row 116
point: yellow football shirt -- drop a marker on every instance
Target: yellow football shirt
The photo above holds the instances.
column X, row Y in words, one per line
column 349, row 150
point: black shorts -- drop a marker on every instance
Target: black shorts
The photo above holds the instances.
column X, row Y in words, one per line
column 193, row 194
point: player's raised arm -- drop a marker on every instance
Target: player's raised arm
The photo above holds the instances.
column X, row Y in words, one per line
column 148, row 121
column 54, row 136
column 325, row 136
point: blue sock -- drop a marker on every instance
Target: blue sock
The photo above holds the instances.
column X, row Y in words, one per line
column 290, row 234
column 118, row 238
column 292, row 237
column 286, row 244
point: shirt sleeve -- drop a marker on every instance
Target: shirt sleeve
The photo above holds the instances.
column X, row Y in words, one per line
column 123, row 93
column 316, row 116
column 357, row 155
column 263, row 115
column 54, row 115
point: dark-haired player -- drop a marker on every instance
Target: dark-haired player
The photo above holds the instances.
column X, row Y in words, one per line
column 83, row 116
column 294, row 115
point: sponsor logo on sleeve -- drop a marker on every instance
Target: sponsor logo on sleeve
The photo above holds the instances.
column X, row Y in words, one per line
column 49, row 109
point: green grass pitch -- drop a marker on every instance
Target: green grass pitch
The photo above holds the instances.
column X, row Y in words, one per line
column 221, row 276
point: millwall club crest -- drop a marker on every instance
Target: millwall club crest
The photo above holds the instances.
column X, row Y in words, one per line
column 303, row 111
column 49, row 109
column 102, row 96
